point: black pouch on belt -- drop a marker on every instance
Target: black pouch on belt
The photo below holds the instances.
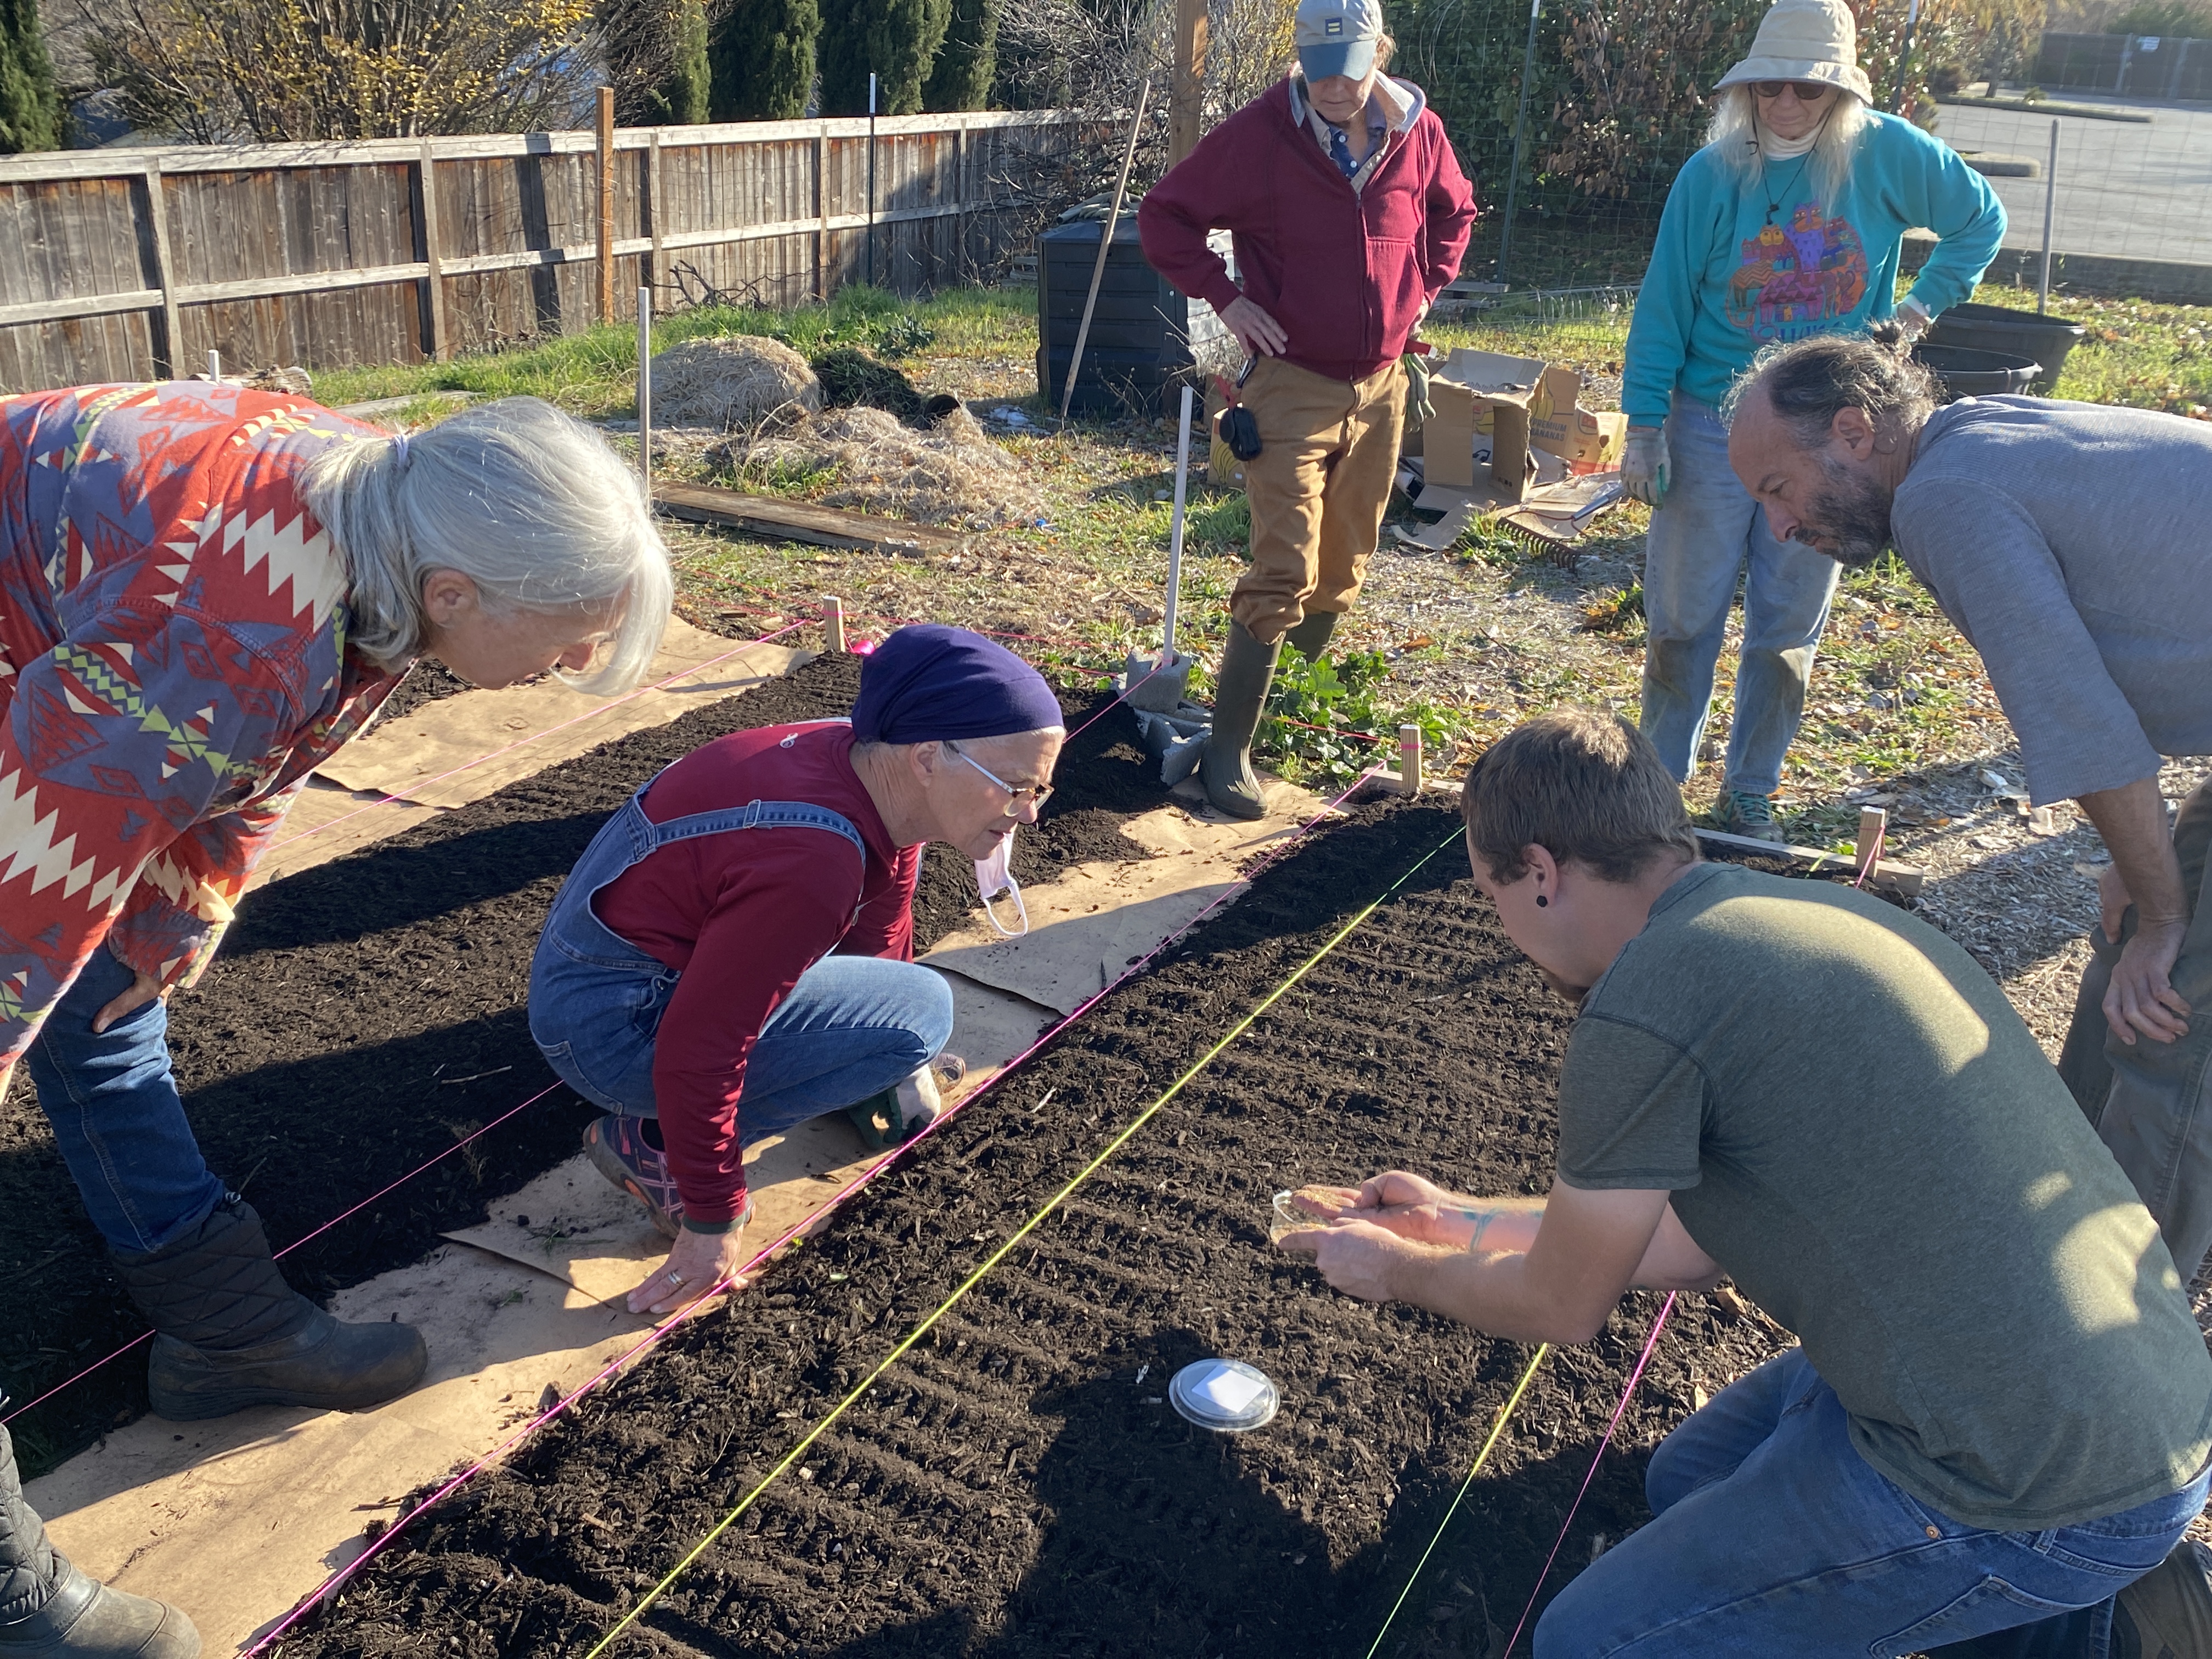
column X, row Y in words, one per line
column 1239, row 430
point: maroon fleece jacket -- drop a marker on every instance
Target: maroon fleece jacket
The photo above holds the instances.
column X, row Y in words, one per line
column 1344, row 274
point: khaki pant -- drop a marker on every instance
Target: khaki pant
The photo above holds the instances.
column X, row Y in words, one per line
column 2152, row 1102
column 1328, row 452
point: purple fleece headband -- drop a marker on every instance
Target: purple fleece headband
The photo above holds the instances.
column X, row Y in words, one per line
column 929, row 683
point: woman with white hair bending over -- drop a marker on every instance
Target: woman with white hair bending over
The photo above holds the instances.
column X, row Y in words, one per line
column 205, row 591
column 1788, row 223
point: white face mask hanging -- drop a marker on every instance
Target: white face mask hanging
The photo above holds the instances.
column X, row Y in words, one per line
column 994, row 876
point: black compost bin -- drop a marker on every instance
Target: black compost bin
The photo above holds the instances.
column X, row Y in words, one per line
column 1966, row 372
column 2030, row 334
column 1140, row 346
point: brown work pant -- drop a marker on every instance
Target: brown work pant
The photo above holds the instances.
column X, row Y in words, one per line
column 1328, row 452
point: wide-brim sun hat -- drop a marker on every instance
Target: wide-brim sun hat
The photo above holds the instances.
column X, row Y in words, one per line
column 1805, row 41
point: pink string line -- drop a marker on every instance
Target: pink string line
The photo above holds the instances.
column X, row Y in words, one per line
column 1650, row 1346
column 337, row 1580
column 342, row 1216
column 522, row 743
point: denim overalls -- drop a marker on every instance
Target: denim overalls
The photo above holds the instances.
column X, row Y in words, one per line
column 851, row 1026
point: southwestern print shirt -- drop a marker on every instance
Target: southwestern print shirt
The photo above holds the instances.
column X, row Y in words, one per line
column 1741, row 262
column 173, row 664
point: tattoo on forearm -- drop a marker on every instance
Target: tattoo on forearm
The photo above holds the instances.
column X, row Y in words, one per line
column 1482, row 1219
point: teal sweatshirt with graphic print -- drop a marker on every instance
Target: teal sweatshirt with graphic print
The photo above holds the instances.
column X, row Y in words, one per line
column 1728, row 276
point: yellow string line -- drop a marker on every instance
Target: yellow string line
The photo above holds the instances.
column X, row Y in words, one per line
column 1496, row 1430
column 1001, row 1253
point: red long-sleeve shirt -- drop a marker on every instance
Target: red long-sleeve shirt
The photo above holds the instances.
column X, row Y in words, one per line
column 741, row 916
column 1344, row 272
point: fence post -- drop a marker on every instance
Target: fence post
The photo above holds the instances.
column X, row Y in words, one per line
column 166, row 362
column 434, row 285
column 960, row 201
column 2050, row 205
column 607, row 135
column 1520, row 137
column 822, row 211
column 1186, row 115
column 868, row 273
column 650, row 200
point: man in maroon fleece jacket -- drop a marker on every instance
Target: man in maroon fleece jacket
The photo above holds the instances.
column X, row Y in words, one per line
column 1348, row 212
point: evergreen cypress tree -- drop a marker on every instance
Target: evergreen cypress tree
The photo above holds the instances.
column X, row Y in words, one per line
column 682, row 92
column 30, row 112
column 762, row 59
column 961, row 78
column 896, row 39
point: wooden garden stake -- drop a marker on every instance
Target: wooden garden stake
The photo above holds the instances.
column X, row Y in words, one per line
column 833, row 621
column 1409, row 759
column 1872, row 821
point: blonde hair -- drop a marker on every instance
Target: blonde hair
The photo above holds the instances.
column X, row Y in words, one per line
column 1733, row 136
column 528, row 503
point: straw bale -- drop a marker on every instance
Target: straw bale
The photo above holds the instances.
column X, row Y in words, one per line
column 742, row 382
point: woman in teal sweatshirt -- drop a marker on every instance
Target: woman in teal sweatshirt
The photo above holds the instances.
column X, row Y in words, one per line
column 1788, row 222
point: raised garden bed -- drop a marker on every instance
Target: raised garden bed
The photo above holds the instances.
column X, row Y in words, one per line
column 365, row 1014
column 1016, row 1486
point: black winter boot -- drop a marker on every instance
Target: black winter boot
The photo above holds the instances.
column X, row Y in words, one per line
column 1240, row 691
column 47, row 1608
column 233, row 1334
column 1311, row 634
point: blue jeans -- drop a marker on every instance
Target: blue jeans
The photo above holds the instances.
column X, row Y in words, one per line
column 1774, row 1536
column 851, row 1027
column 1702, row 535
column 117, row 1117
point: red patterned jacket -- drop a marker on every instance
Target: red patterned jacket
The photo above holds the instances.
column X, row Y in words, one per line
column 173, row 664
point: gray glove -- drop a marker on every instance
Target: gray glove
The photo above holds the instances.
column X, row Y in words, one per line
column 1644, row 464
column 1418, row 406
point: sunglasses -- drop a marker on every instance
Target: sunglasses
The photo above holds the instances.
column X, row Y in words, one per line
column 1808, row 92
column 1036, row 794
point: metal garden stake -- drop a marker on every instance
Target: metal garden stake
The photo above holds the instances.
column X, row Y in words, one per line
column 2049, row 210
column 644, row 391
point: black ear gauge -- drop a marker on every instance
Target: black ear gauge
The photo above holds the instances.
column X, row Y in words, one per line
column 1541, row 902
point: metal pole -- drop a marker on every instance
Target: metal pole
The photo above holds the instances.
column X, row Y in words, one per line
column 2050, row 207
column 215, row 366
column 644, row 389
column 1105, row 242
column 1175, row 536
column 1520, row 136
column 1904, row 59
column 870, row 275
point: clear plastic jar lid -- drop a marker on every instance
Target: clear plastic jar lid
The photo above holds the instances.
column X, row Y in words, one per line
column 1224, row 1394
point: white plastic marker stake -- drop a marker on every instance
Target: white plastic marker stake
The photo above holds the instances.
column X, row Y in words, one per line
column 215, row 366
column 1175, row 535
column 644, row 389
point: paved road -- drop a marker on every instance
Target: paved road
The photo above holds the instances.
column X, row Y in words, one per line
column 2138, row 192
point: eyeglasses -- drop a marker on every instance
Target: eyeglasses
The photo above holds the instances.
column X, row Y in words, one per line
column 1808, row 92
column 1036, row 794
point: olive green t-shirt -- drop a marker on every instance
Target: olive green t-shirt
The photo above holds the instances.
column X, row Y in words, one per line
column 1857, row 1126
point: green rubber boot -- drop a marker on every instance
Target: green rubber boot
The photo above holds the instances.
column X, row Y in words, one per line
column 1311, row 635
column 1240, row 691
column 2167, row 1613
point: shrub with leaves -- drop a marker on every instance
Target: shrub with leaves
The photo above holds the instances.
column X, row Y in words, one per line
column 1325, row 720
column 896, row 40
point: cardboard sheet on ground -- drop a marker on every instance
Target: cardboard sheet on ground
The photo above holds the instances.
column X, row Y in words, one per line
column 1099, row 918
column 573, row 1223
column 236, row 1519
column 410, row 756
column 328, row 822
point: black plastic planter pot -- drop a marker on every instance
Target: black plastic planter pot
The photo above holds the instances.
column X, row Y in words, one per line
column 2030, row 334
column 1966, row 372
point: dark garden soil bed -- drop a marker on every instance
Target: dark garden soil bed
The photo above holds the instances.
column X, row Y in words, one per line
column 1015, row 1486
column 364, row 1015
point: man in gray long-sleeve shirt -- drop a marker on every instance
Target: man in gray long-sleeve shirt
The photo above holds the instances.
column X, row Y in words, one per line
column 2069, row 543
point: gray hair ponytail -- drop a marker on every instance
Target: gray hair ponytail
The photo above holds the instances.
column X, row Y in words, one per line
column 528, row 503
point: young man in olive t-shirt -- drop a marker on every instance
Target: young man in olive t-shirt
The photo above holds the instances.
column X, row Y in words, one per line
column 2002, row 1410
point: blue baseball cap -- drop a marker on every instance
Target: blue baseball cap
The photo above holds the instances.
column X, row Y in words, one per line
column 1337, row 37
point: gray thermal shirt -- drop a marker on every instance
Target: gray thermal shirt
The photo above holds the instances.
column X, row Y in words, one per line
column 2072, row 545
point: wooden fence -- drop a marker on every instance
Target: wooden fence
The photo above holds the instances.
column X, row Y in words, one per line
column 126, row 264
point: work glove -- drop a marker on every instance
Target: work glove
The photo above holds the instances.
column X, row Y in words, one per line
column 1644, row 464
column 1912, row 317
column 1418, row 407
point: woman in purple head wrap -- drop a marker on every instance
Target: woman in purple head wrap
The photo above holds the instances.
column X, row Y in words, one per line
column 734, row 952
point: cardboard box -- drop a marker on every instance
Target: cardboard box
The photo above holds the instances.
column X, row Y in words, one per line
column 1540, row 406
